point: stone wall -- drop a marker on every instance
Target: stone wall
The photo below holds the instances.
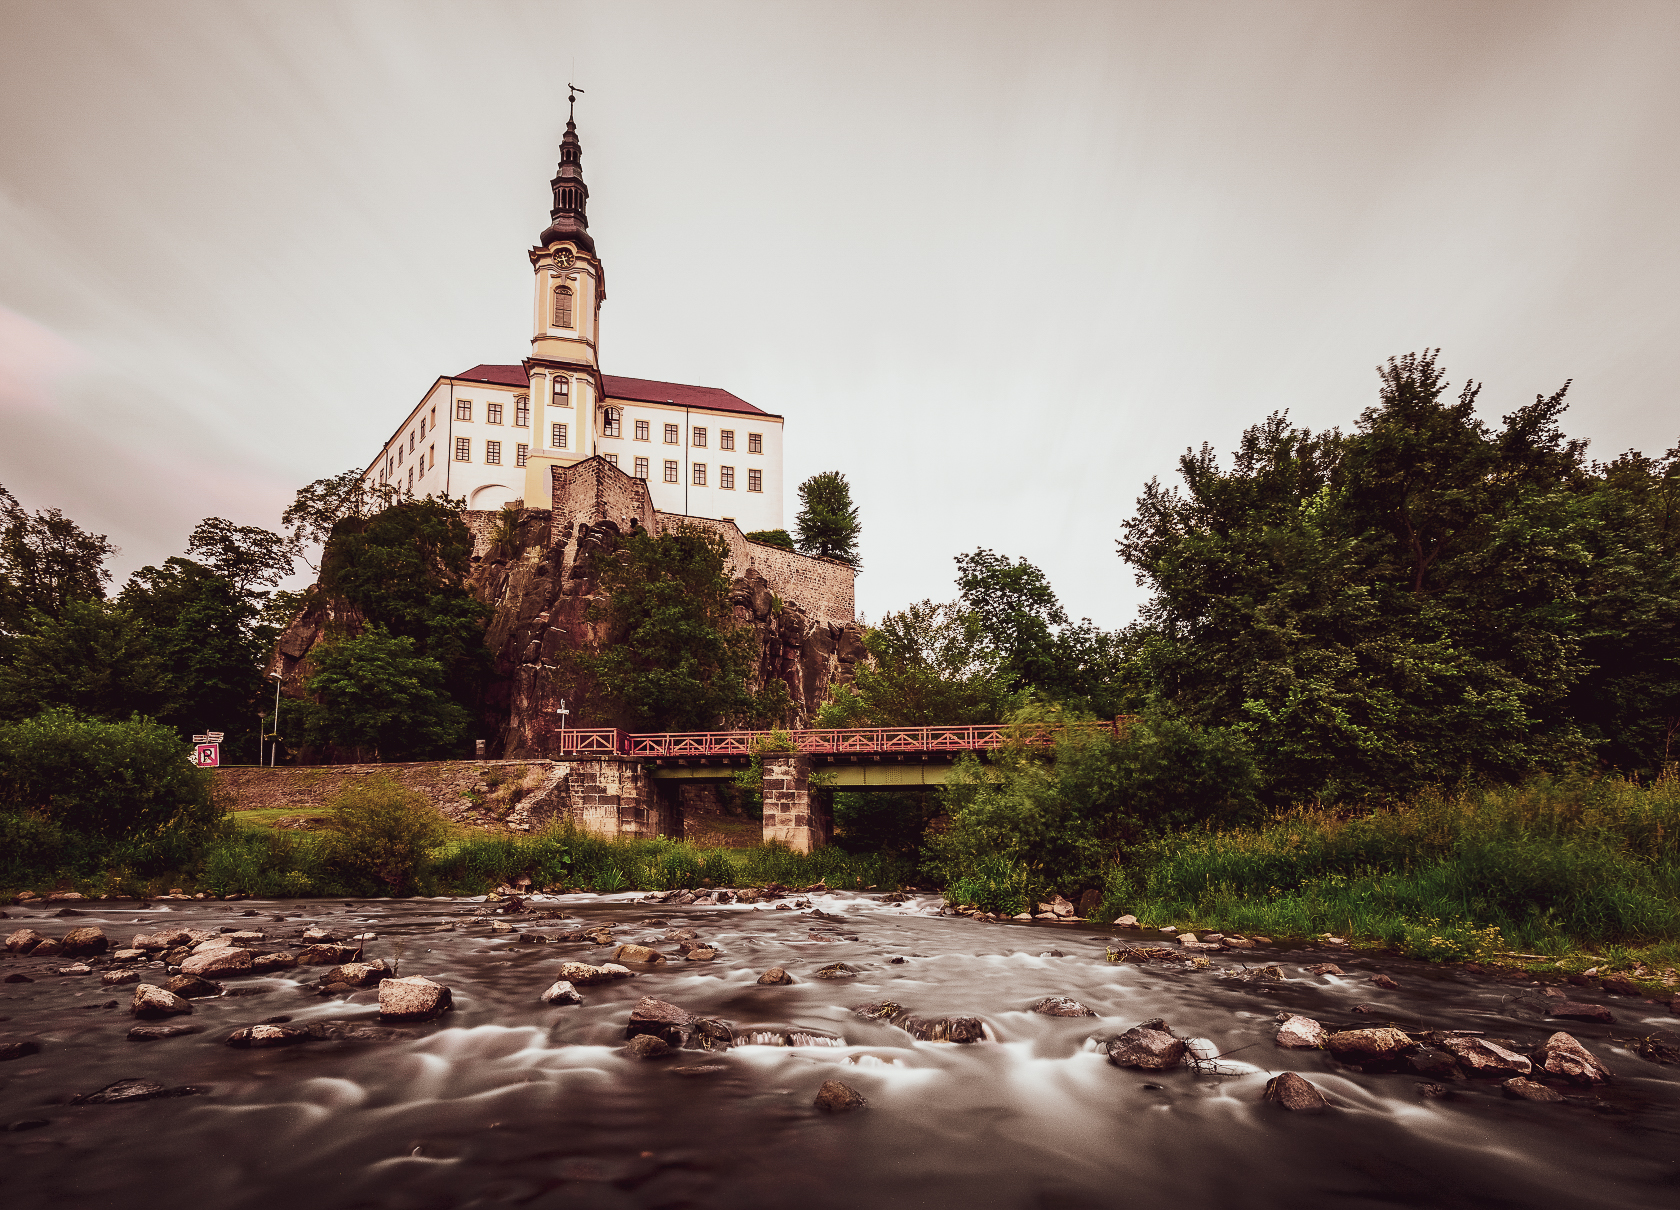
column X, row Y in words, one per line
column 824, row 589
column 593, row 491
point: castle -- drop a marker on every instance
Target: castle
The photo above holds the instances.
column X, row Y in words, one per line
column 495, row 434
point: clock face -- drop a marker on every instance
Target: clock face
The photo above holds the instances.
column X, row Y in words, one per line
column 563, row 259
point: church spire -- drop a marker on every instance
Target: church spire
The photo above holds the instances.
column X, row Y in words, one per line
column 569, row 220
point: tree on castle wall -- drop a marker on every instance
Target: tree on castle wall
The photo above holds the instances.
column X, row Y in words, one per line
column 828, row 520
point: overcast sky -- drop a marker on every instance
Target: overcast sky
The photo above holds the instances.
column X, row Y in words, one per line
column 1000, row 264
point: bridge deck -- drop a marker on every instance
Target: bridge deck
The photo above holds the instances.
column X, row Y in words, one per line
column 834, row 744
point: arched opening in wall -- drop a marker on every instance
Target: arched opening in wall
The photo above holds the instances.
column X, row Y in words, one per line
column 491, row 496
column 562, row 306
column 612, row 425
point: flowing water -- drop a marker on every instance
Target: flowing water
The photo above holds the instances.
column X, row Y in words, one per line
column 508, row 1102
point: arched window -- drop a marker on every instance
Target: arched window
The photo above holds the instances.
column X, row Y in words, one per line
column 562, row 391
column 611, row 427
column 562, row 306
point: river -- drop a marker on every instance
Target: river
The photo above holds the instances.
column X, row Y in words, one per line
column 508, row 1102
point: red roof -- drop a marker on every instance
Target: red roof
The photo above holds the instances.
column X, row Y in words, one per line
column 643, row 390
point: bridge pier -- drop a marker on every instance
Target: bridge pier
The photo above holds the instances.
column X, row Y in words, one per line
column 795, row 814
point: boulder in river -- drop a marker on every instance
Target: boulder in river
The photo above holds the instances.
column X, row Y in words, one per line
column 776, row 976
column 23, row 941
column 263, row 963
column 835, row 1097
column 191, row 987
column 1150, row 1046
column 926, row 1029
column 225, row 960
column 17, row 1050
column 1433, row 1063
column 415, row 998
column 1565, row 1058
column 1061, row 1006
column 644, row 954
column 158, row 1033
column 1324, row 968
column 1128, row 921
column 561, row 992
column 84, row 941
column 356, row 974
column 1385, row 1045
column 128, row 1091
column 1528, row 1090
column 647, row 1046
column 582, row 974
column 152, row 1002
column 117, row 978
column 1296, row 1032
column 1294, row 1093
column 1385, row 982
column 1571, row 1010
column 1484, row 1057
column 328, row 955
column 256, row 1036
column 837, row 970
column 661, row 1018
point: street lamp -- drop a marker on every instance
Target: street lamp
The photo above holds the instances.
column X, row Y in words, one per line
column 563, row 713
column 275, row 749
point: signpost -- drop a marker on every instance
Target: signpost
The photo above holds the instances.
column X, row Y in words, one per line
column 207, row 750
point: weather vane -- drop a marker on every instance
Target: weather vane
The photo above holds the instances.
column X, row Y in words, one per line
column 572, row 91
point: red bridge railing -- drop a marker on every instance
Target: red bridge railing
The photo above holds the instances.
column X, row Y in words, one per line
column 829, row 742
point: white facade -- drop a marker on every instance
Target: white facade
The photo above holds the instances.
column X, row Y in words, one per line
column 489, row 434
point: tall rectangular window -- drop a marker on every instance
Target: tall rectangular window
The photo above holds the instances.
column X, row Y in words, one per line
column 522, row 412
column 726, row 439
column 699, row 438
column 672, row 434
column 671, row 471
column 699, row 474
column 755, row 443
column 463, row 449
column 493, row 452
column 641, row 468
column 422, row 428
column 493, row 413
column 563, row 392
column 557, row 436
column 755, row 481
column 726, row 478
column 641, row 430
column 399, row 453
column 612, row 459
column 463, row 409
column 411, row 480
column 431, row 454
column 521, row 454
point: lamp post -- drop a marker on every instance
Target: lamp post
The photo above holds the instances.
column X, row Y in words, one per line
column 563, row 713
column 274, row 749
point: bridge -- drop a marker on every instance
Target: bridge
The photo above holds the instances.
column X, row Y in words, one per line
column 641, row 775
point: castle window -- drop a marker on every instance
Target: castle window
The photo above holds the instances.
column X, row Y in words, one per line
column 755, row 443
column 522, row 411
column 641, row 468
column 557, row 436
column 726, row 439
column 399, row 453
column 562, row 306
column 700, row 438
column 611, row 423
column 672, row 434
column 422, row 428
column 671, row 471
column 432, row 451
column 463, row 449
column 726, row 478
column 434, row 418
column 641, row 430
column 493, row 452
column 755, row 481
column 463, row 409
column 613, row 459
column 411, row 441
column 521, row 454
column 492, row 414
column 699, row 474
column 411, row 480
column 562, row 392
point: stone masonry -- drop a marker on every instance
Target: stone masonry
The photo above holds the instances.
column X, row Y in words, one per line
column 794, row 813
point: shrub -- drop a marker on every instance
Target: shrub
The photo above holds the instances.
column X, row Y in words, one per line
column 383, row 831
column 994, row 884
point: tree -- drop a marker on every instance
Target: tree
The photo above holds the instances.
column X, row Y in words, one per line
column 375, row 694
column 47, row 561
column 95, row 658
column 317, row 509
column 671, row 657
column 773, row 537
column 930, row 664
column 828, row 520
column 244, row 555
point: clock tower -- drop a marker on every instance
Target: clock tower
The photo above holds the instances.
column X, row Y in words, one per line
column 564, row 364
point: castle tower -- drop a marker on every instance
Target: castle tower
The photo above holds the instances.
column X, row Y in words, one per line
column 564, row 365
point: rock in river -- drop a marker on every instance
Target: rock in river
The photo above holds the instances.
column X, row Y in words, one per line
column 638, row 953
column 927, row 1029
column 253, row 1036
column 1369, row 1045
column 837, row 970
column 1292, row 1092
column 582, row 974
column 17, row 1050
column 1296, row 1032
column 1485, row 1057
column 152, row 1002
column 356, row 974
column 191, row 987
column 835, row 1097
column 1562, row 1056
column 1061, row 1006
column 158, row 1033
column 224, row 960
column 128, row 1091
column 22, row 941
column 647, row 1046
column 562, row 992
column 84, row 941
column 415, row 998
column 1573, row 1011
column 1528, row 1090
column 775, row 975
column 1150, row 1046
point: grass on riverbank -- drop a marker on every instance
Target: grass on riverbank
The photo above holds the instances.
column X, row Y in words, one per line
column 1579, row 870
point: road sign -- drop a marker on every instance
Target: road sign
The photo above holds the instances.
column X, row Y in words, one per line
column 207, row 756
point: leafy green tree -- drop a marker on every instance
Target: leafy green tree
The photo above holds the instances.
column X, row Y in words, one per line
column 47, row 562
column 773, row 537
column 374, row 696
column 671, row 657
column 383, row 831
column 94, row 657
column 929, row 665
column 246, row 556
column 828, row 522
column 319, row 508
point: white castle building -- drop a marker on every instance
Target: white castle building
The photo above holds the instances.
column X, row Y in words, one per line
column 491, row 433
